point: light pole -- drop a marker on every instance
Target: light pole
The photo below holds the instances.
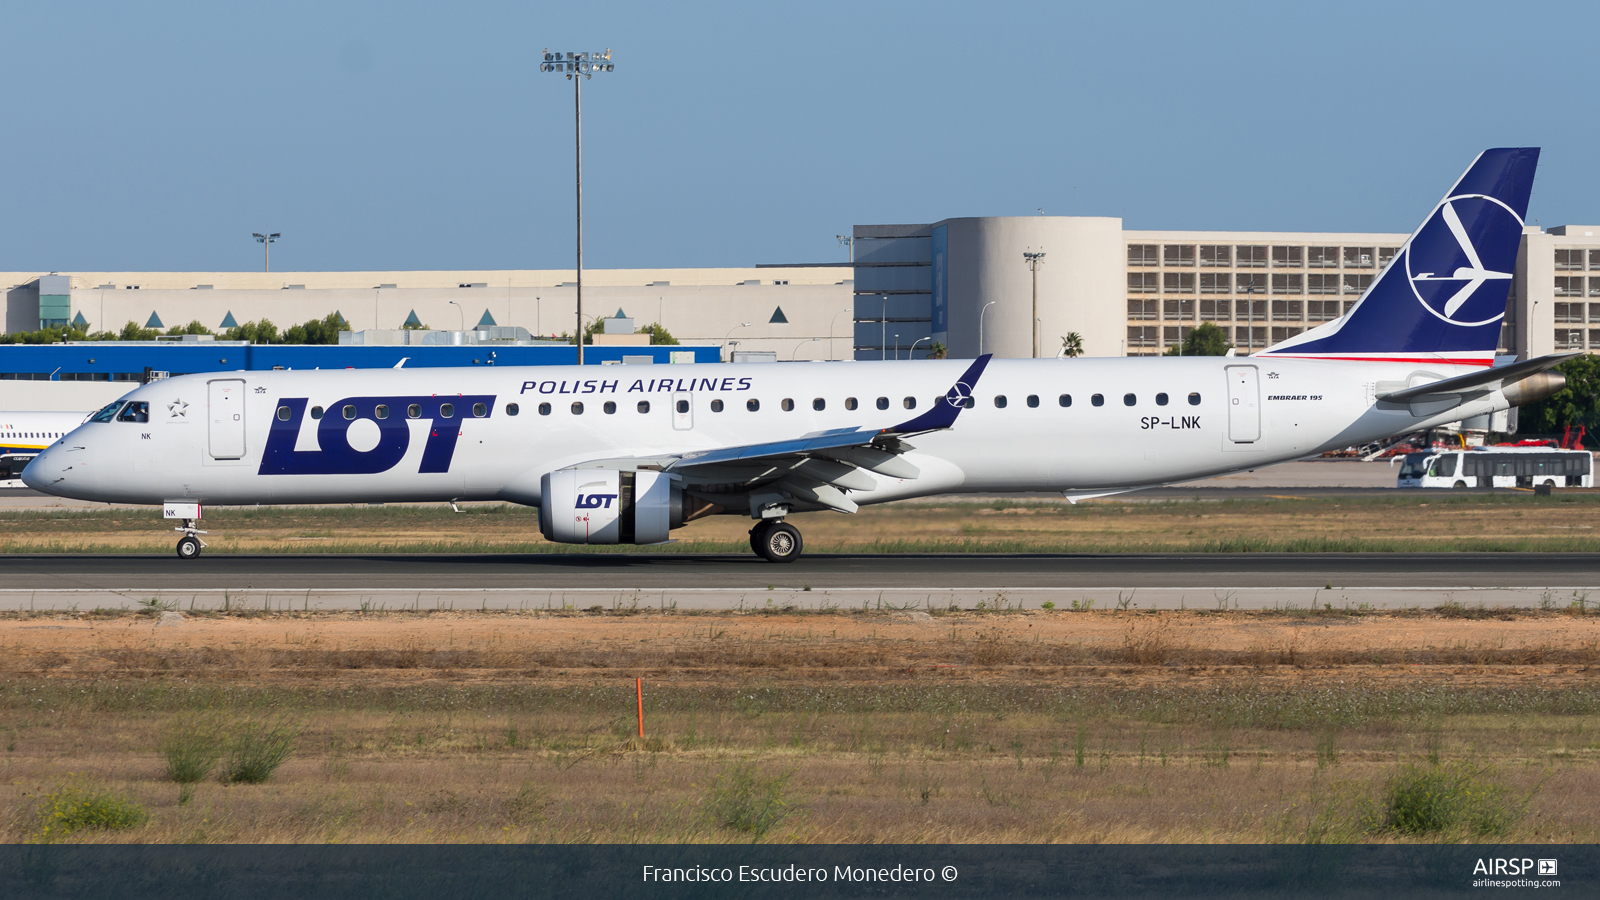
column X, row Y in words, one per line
column 1250, row 320
column 1034, row 261
column 912, row 353
column 578, row 67
column 801, row 344
column 981, row 314
column 831, row 323
column 849, row 242
column 897, row 346
column 730, row 334
column 883, row 330
column 460, row 312
column 266, row 241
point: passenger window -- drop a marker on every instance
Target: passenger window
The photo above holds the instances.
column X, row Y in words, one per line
column 316, row 412
column 479, row 410
column 683, row 406
column 284, row 413
column 716, row 406
column 1129, row 399
column 383, row 411
column 413, row 411
column 544, row 409
column 752, row 404
column 577, row 408
column 969, row 403
column 849, row 403
column 512, row 409
column 644, row 406
column 610, row 408
column 1194, row 399
column 909, row 403
column 1097, row 400
column 447, row 410
column 1161, row 399
column 883, row 402
column 349, row 412
column 1065, row 400
column 819, row 404
column 787, row 405
column 1033, row 401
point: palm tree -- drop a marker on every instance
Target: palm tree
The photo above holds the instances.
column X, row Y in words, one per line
column 1071, row 345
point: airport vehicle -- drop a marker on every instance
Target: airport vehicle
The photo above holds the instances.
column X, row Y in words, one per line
column 1497, row 467
column 626, row 454
column 24, row 434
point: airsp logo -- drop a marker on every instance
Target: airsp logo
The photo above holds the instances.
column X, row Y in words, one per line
column 1445, row 268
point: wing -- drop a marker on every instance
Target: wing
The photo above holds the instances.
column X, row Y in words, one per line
column 813, row 471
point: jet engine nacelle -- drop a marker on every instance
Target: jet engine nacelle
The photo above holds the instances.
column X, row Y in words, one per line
column 605, row 506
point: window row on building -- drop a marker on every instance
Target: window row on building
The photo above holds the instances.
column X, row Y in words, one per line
column 1259, row 256
column 1253, row 283
column 1574, row 312
column 1568, row 260
column 1222, row 310
column 1573, row 339
column 1251, row 336
column 1574, row 286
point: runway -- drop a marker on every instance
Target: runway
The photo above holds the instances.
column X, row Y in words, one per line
column 582, row 581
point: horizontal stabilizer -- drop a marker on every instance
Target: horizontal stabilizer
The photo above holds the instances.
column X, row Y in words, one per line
column 1486, row 380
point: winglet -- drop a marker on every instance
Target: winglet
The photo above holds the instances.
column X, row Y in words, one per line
column 943, row 415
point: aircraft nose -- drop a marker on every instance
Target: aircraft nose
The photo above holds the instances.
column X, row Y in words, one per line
column 42, row 471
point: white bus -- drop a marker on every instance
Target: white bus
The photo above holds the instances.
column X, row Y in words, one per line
column 1498, row 467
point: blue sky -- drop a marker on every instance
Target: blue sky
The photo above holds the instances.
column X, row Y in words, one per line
column 404, row 136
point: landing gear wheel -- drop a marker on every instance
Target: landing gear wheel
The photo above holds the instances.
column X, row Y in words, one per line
column 757, row 534
column 188, row 547
column 779, row 542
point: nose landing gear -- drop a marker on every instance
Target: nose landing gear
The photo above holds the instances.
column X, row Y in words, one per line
column 190, row 544
column 776, row 541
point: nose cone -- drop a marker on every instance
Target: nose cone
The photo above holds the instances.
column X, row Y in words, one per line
column 44, row 473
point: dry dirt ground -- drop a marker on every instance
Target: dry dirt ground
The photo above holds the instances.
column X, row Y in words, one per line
column 821, row 727
column 1444, row 521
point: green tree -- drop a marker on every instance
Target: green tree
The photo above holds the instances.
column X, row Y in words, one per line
column 1206, row 340
column 317, row 331
column 262, row 332
column 1072, row 345
column 937, row 350
column 658, row 334
column 1576, row 404
column 52, row 335
column 194, row 327
column 133, row 332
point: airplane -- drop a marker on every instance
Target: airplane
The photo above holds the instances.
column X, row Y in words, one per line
column 626, row 455
column 24, row 434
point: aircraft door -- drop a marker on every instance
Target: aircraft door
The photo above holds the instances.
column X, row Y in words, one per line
column 683, row 410
column 1244, row 404
column 225, row 416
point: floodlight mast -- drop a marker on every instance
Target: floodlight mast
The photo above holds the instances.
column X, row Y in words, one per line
column 1034, row 260
column 578, row 67
column 265, row 240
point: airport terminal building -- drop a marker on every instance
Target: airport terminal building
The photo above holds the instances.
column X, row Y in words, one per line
column 961, row 282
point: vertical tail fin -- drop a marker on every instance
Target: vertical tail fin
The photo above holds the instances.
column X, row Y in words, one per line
column 1442, row 297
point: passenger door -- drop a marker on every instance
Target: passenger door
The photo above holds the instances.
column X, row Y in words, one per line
column 225, row 415
column 683, row 410
column 1244, row 404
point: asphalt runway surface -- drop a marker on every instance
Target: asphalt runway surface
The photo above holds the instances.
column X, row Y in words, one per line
column 578, row 580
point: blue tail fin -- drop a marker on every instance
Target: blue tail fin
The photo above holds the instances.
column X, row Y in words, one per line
column 1442, row 297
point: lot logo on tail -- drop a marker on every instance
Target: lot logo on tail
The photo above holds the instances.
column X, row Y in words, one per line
column 1446, row 269
column 336, row 455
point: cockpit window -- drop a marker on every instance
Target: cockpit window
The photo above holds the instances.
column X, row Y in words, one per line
column 107, row 414
column 135, row 411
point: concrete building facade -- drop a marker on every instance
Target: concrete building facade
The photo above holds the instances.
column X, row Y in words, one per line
column 960, row 282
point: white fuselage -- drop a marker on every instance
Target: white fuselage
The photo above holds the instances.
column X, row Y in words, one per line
column 1246, row 412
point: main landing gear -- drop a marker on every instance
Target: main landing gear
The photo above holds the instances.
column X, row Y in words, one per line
column 189, row 545
column 776, row 541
